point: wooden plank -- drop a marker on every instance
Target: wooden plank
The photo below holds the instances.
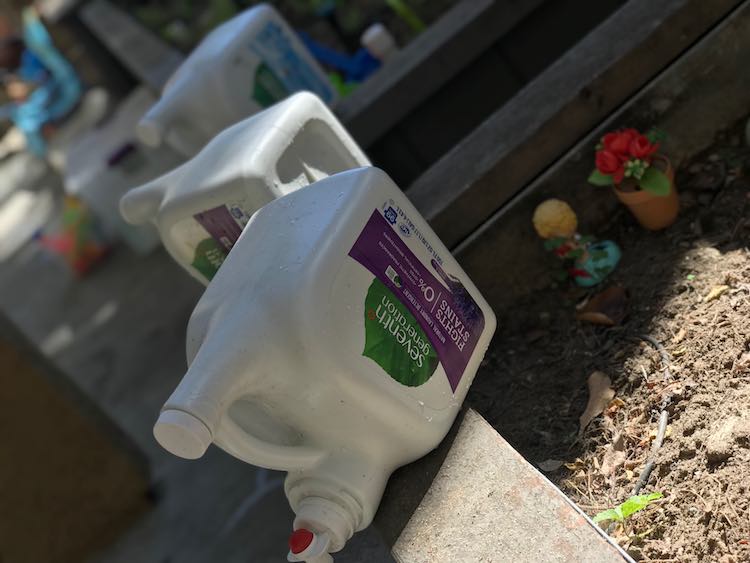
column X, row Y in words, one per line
column 70, row 481
column 550, row 31
column 554, row 111
column 427, row 63
column 487, row 503
column 706, row 90
column 144, row 54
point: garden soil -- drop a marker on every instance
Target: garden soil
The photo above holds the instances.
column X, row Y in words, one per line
column 689, row 295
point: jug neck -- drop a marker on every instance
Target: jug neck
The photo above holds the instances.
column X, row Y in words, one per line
column 337, row 519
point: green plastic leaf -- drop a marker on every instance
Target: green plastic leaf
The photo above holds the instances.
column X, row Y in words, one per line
column 552, row 243
column 628, row 508
column 655, row 181
column 575, row 253
column 394, row 339
column 656, row 135
column 599, row 179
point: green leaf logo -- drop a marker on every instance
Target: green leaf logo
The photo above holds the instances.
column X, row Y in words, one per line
column 268, row 88
column 394, row 339
column 208, row 258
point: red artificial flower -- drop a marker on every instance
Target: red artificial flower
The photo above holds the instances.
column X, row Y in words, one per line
column 607, row 162
column 640, row 147
column 618, row 142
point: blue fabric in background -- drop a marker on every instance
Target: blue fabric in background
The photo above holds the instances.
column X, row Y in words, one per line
column 58, row 88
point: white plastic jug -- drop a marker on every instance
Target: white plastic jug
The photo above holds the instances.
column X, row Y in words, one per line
column 337, row 343
column 246, row 64
column 201, row 207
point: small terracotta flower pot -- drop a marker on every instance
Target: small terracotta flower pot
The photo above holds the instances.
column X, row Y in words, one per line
column 653, row 212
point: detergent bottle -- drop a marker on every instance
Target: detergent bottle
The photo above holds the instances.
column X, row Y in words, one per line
column 336, row 343
column 201, row 207
column 246, row 64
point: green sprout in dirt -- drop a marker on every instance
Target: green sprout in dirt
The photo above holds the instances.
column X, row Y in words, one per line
column 625, row 510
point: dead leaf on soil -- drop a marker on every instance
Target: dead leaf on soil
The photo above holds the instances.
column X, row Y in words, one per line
column 715, row 293
column 550, row 465
column 576, row 465
column 614, row 406
column 742, row 364
column 680, row 336
column 614, row 457
column 600, row 395
column 608, row 307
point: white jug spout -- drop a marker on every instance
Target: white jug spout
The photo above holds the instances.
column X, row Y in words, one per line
column 189, row 420
column 141, row 205
column 153, row 127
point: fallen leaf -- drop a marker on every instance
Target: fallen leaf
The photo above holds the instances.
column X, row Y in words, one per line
column 608, row 307
column 742, row 364
column 550, row 465
column 614, row 457
column 715, row 293
column 600, row 395
column 576, row 465
column 654, row 431
column 679, row 352
column 614, row 406
column 680, row 336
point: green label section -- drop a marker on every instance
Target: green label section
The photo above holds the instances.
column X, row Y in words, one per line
column 208, row 258
column 394, row 339
column 268, row 88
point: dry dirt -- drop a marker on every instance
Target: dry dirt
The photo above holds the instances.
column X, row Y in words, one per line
column 689, row 290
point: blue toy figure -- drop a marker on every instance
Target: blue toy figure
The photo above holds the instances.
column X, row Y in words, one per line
column 592, row 261
column 42, row 85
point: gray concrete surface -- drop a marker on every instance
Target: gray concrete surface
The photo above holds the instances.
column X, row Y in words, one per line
column 487, row 503
column 119, row 334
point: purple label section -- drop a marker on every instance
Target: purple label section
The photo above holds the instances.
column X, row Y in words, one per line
column 220, row 224
column 450, row 317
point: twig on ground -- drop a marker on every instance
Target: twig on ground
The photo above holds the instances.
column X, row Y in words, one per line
column 663, row 416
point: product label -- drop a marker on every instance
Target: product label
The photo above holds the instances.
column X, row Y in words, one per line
column 268, row 89
column 415, row 315
column 224, row 224
column 274, row 46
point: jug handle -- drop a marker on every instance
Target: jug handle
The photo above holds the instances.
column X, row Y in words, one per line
column 236, row 441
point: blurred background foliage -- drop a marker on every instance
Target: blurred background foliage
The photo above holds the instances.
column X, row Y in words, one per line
column 335, row 23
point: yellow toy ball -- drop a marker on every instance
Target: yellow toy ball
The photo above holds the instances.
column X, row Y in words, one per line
column 555, row 218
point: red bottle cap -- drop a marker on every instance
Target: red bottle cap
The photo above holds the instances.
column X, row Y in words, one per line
column 300, row 540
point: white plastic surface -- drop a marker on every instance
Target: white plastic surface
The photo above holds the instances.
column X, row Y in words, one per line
column 182, row 434
column 276, row 352
column 244, row 65
column 264, row 157
column 88, row 175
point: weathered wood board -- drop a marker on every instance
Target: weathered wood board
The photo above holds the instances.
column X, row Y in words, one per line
column 547, row 117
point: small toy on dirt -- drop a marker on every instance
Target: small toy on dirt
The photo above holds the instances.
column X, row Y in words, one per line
column 592, row 261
